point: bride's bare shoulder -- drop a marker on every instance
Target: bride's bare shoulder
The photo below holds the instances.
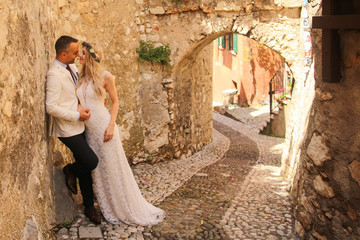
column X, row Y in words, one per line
column 108, row 77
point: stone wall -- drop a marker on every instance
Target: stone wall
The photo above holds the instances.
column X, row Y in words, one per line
column 25, row 186
column 31, row 161
column 111, row 24
column 322, row 155
column 192, row 104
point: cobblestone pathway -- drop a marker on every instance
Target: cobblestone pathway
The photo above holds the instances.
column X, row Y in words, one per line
column 231, row 189
column 194, row 211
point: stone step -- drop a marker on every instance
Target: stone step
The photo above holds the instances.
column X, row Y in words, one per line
column 90, row 233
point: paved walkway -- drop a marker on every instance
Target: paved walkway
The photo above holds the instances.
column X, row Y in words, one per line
column 230, row 190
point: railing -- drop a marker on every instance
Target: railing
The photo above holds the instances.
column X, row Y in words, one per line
column 280, row 85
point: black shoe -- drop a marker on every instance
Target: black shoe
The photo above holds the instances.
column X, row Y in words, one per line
column 70, row 179
column 91, row 213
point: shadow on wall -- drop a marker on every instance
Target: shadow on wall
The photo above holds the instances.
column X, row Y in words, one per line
column 242, row 99
column 267, row 58
column 264, row 64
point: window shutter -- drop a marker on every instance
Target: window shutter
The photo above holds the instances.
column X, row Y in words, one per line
column 235, row 45
column 229, row 41
column 223, row 42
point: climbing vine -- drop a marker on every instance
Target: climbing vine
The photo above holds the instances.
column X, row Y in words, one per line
column 147, row 52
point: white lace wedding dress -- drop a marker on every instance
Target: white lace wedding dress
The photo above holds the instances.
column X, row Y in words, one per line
column 116, row 190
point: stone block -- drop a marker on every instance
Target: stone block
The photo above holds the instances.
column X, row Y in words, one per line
column 90, row 232
column 224, row 6
column 351, row 213
column 318, row 236
column 306, row 203
column 143, row 37
column 324, row 95
column 323, row 188
column 177, row 155
column 117, row 57
column 83, row 5
column 74, row 17
column 142, row 28
column 317, row 150
column 61, row 3
column 291, row 3
column 31, row 230
column 67, row 27
column 354, row 168
column 7, row 109
column 157, row 10
column 306, row 220
column 153, row 37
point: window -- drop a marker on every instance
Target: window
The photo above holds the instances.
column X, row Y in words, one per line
column 222, row 42
column 228, row 42
column 234, row 43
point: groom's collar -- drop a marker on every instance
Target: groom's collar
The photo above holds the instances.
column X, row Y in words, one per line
column 62, row 64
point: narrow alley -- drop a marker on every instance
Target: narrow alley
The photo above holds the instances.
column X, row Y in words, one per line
column 232, row 189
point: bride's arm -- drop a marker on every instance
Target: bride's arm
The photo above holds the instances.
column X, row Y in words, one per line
column 109, row 85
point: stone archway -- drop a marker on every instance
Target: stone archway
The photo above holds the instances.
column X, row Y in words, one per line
column 193, row 29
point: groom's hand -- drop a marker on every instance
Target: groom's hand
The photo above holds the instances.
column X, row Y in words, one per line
column 84, row 114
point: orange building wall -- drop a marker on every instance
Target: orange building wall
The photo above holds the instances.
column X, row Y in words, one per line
column 227, row 70
column 249, row 71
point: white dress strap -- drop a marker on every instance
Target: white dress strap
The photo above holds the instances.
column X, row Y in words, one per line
column 104, row 74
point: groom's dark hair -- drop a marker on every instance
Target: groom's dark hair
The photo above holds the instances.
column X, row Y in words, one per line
column 63, row 43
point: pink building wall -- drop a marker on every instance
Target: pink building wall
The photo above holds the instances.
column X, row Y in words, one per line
column 249, row 71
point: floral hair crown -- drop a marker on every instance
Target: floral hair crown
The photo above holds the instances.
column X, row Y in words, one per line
column 91, row 51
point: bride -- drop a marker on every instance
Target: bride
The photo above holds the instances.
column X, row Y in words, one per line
column 116, row 190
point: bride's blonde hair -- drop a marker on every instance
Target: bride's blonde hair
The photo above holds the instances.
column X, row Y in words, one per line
column 92, row 70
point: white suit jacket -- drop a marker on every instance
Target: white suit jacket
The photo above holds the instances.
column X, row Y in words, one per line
column 62, row 102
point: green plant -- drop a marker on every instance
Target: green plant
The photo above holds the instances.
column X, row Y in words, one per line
column 148, row 159
column 147, row 52
column 67, row 224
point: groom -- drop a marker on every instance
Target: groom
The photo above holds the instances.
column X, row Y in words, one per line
column 68, row 116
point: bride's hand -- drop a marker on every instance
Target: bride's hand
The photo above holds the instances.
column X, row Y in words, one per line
column 109, row 133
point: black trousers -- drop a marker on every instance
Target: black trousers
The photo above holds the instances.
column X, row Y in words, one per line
column 85, row 161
